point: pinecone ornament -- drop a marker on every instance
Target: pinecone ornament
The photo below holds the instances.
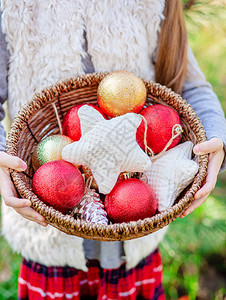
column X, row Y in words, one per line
column 91, row 208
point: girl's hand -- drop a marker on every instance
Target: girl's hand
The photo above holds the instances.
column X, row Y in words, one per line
column 213, row 147
column 8, row 192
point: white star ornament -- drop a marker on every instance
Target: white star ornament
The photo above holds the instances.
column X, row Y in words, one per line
column 170, row 174
column 107, row 147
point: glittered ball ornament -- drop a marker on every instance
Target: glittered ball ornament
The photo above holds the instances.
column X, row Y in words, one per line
column 130, row 200
column 49, row 149
column 59, row 184
column 121, row 92
column 71, row 123
column 163, row 122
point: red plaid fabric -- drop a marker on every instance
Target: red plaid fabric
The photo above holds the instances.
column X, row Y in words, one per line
column 38, row 282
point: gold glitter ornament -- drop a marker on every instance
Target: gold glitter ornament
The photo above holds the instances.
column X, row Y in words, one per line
column 49, row 149
column 121, row 92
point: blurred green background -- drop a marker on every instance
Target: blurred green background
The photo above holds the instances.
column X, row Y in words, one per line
column 194, row 248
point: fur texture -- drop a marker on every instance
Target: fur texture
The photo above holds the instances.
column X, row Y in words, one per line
column 136, row 250
column 46, row 43
column 45, row 245
column 46, row 40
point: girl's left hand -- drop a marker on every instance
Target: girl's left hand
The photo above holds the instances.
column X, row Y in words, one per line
column 215, row 148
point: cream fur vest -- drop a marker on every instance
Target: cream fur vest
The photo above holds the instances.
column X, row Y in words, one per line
column 46, row 43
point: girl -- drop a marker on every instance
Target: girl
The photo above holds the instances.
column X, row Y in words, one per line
column 45, row 41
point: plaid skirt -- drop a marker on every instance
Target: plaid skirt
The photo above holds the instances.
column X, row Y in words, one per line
column 38, row 282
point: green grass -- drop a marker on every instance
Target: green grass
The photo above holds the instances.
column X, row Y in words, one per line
column 194, row 246
column 194, row 249
column 9, row 269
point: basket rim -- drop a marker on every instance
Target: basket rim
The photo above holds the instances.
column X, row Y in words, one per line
column 117, row 231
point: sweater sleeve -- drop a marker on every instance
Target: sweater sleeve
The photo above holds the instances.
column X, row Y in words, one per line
column 200, row 95
column 4, row 58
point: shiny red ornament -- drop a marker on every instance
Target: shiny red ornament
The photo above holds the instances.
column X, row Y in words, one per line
column 160, row 121
column 130, row 200
column 71, row 123
column 59, row 184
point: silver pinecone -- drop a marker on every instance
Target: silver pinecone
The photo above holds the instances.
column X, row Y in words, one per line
column 91, row 208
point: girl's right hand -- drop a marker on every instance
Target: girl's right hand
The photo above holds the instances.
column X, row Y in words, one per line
column 8, row 192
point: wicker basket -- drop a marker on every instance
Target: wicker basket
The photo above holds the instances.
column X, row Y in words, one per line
column 37, row 119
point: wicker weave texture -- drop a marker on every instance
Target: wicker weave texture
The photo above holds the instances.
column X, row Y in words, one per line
column 37, row 120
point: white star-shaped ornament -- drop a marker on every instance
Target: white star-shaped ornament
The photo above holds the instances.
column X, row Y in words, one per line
column 170, row 174
column 107, row 147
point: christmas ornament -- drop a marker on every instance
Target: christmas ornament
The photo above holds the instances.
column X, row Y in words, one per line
column 71, row 123
column 108, row 149
column 59, row 184
column 91, row 209
column 88, row 174
column 161, row 126
column 49, row 149
column 121, row 92
column 130, row 200
column 170, row 174
column 89, row 120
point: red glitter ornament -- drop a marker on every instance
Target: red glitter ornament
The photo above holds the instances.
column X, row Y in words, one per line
column 71, row 124
column 160, row 122
column 59, row 184
column 130, row 200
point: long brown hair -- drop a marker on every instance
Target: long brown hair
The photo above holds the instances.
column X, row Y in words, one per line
column 171, row 63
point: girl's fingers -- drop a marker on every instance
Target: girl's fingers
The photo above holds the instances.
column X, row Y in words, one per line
column 12, row 162
column 9, row 193
column 211, row 178
column 214, row 144
column 215, row 162
column 22, row 206
column 32, row 215
column 16, row 202
column 195, row 204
